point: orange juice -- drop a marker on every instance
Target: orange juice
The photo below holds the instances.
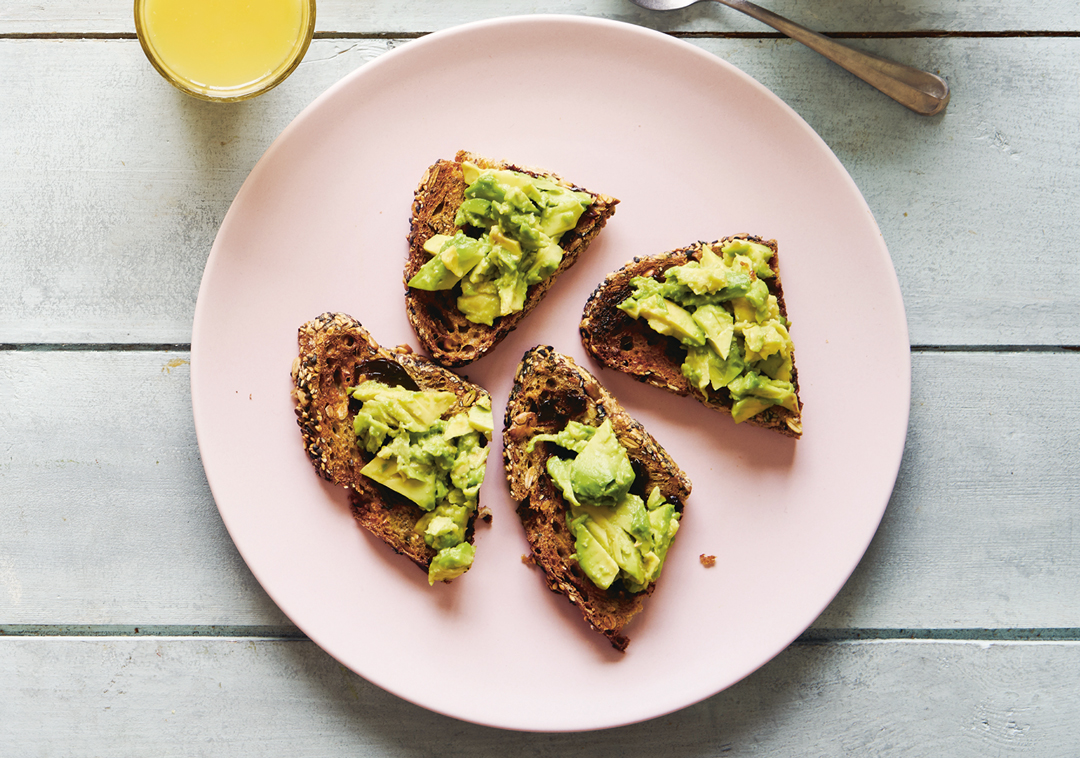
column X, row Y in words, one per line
column 225, row 49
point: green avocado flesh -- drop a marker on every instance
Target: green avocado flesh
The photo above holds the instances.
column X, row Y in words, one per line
column 516, row 222
column 436, row 462
column 617, row 535
column 721, row 311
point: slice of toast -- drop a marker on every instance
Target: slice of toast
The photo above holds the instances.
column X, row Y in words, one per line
column 620, row 342
column 442, row 329
column 549, row 390
column 336, row 353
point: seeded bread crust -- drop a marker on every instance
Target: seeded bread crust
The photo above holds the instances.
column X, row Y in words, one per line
column 549, row 390
column 442, row 329
column 625, row 344
column 335, row 354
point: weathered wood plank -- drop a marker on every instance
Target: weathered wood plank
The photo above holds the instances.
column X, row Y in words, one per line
column 114, row 184
column 980, row 527
column 111, row 16
column 248, row 697
column 111, row 205
column 108, row 519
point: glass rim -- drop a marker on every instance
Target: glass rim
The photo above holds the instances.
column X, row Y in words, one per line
column 229, row 94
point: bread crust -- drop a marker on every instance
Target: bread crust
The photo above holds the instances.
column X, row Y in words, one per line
column 336, row 352
column 550, row 389
column 618, row 341
column 442, row 329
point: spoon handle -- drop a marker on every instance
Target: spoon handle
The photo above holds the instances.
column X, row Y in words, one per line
column 920, row 91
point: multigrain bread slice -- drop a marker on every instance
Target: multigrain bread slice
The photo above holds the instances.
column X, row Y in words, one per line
column 442, row 329
column 620, row 342
column 549, row 390
column 336, row 353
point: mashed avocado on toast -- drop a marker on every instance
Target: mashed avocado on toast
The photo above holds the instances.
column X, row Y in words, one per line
column 510, row 224
column 598, row 497
column 616, row 533
column 721, row 311
column 488, row 239
column 415, row 459
column 437, row 463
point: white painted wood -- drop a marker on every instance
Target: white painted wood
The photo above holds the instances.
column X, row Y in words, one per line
column 113, row 184
column 980, row 528
column 112, row 16
column 108, row 519
column 167, row 697
column 111, row 204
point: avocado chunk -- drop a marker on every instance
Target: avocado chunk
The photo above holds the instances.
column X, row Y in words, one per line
column 720, row 309
column 669, row 318
column 719, row 327
column 593, row 558
column 520, row 219
column 601, row 471
column 611, row 529
column 433, row 276
column 451, row 562
column 479, row 301
column 634, row 536
column 481, row 418
column 759, row 255
column 574, row 436
column 705, row 368
column 435, row 459
column 763, row 340
column 445, row 526
column 452, row 258
column 417, row 483
column 753, row 385
column 391, row 411
column 710, row 274
column 617, row 536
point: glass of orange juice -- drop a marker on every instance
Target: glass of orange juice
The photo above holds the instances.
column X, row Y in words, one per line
column 225, row 50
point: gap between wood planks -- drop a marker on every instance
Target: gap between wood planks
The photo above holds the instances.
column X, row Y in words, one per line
column 914, row 34
column 810, row 637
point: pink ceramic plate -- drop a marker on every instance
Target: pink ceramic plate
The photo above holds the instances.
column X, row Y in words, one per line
column 695, row 150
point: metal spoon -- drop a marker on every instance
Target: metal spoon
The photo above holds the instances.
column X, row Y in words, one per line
column 920, row 91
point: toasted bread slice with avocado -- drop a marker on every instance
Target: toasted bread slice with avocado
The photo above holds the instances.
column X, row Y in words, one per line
column 550, row 391
column 337, row 353
column 618, row 340
column 444, row 330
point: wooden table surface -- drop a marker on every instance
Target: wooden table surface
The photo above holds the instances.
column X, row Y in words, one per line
column 129, row 625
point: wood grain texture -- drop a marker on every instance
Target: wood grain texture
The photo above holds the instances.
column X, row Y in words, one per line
column 257, row 697
column 112, row 187
column 112, row 522
column 980, row 528
column 382, row 16
column 107, row 517
column 115, row 183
